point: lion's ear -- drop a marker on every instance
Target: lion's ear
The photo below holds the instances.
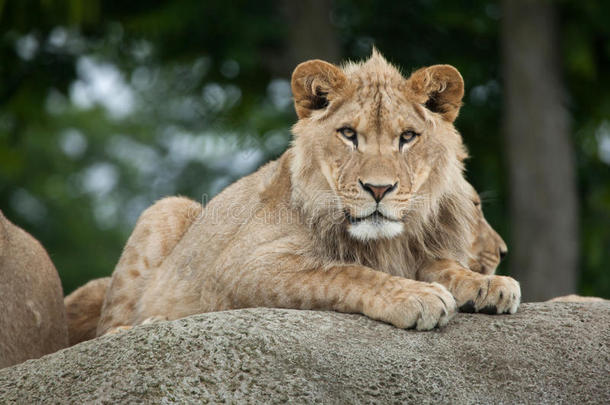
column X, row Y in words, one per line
column 440, row 88
column 314, row 84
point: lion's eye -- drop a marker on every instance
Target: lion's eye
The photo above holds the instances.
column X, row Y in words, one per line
column 407, row 137
column 349, row 134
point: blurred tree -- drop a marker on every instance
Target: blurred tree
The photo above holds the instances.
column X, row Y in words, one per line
column 541, row 164
column 311, row 35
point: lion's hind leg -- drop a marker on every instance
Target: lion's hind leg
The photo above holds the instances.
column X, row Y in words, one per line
column 157, row 232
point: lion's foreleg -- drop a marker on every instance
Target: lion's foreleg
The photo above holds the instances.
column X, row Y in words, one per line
column 347, row 288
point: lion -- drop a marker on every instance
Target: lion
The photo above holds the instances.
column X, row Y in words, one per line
column 83, row 309
column 32, row 315
column 488, row 248
column 366, row 212
column 84, row 305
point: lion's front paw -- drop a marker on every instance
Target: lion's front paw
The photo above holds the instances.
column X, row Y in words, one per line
column 489, row 295
column 410, row 304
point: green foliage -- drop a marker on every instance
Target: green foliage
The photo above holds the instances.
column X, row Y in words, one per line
column 196, row 101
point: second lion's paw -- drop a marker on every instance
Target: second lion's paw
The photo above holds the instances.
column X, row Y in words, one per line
column 490, row 295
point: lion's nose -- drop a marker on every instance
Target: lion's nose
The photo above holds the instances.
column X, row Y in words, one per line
column 503, row 253
column 378, row 191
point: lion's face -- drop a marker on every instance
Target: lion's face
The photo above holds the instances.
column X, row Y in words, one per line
column 375, row 152
column 384, row 145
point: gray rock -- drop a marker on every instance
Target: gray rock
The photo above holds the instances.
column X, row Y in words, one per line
column 546, row 353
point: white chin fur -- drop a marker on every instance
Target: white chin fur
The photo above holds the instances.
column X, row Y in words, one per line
column 371, row 229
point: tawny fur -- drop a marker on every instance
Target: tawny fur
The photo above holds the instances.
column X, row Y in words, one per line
column 157, row 232
column 488, row 247
column 284, row 236
column 83, row 309
column 32, row 315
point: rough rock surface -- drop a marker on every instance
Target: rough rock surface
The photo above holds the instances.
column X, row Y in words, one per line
column 546, row 353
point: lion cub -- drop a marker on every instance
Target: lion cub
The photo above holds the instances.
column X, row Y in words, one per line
column 368, row 211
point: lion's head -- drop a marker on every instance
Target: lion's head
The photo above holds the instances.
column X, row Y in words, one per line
column 488, row 248
column 379, row 151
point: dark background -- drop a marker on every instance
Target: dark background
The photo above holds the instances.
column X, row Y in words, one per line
column 108, row 106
